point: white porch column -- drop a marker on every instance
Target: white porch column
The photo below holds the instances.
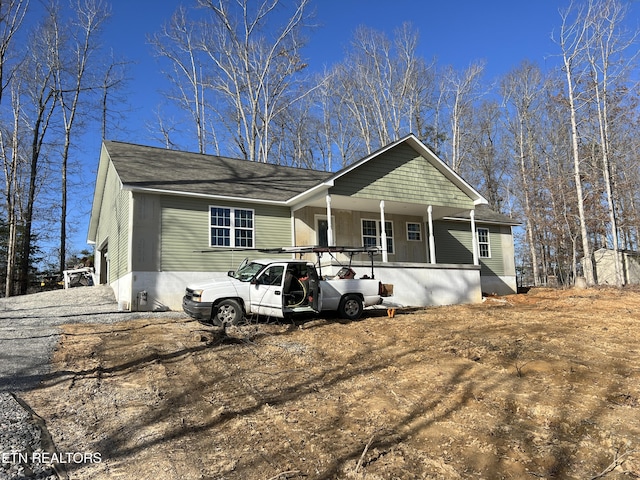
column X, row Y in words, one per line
column 383, row 235
column 432, row 241
column 329, row 223
column 474, row 237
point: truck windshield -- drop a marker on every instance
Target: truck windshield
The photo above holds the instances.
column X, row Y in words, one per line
column 247, row 272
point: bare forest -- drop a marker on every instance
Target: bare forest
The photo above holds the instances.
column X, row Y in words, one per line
column 553, row 146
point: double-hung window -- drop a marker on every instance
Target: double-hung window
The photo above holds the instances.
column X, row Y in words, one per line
column 231, row 227
column 414, row 232
column 372, row 233
column 484, row 248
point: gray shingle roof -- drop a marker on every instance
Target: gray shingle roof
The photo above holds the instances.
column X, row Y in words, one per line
column 485, row 214
column 193, row 173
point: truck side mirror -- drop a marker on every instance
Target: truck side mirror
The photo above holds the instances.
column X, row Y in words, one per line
column 231, row 273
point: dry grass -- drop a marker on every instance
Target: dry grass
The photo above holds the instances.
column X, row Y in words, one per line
column 543, row 385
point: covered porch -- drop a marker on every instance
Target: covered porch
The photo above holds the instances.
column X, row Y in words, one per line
column 409, row 250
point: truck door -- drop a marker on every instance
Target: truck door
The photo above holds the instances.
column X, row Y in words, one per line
column 266, row 291
column 314, row 289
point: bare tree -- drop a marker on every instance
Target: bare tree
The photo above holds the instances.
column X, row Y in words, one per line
column 38, row 73
column 521, row 90
column 486, row 168
column 113, row 79
column 255, row 67
column 571, row 40
column 606, row 46
column 179, row 42
column 380, row 91
column 340, row 140
column 74, row 48
column 460, row 92
column 11, row 156
column 12, row 14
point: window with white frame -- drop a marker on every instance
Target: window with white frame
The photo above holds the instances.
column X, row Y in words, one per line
column 414, row 232
column 231, row 227
column 372, row 234
column 484, row 248
column 369, row 233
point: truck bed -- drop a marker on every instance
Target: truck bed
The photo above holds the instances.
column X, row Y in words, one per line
column 333, row 290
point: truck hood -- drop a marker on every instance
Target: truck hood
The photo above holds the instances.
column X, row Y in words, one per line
column 215, row 283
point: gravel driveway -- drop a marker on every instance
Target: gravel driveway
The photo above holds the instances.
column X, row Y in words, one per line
column 29, row 328
column 29, row 332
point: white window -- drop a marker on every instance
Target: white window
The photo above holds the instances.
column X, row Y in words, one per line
column 484, row 248
column 231, row 227
column 372, row 233
column 414, row 232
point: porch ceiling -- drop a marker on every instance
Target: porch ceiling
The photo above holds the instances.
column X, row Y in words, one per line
column 370, row 205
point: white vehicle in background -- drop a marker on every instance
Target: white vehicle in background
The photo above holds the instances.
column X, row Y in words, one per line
column 281, row 288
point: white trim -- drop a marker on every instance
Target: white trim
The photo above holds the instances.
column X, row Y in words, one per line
column 129, row 267
column 379, row 230
column 232, row 227
column 383, row 234
column 488, row 242
column 486, row 222
column 474, row 238
column 419, row 232
column 224, row 198
column 432, row 240
column 331, row 239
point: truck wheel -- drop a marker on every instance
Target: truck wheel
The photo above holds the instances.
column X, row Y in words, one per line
column 350, row 307
column 228, row 312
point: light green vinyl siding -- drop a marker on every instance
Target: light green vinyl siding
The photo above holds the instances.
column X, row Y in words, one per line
column 145, row 238
column 404, row 176
column 185, row 232
column 122, row 266
column 453, row 242
column 114, row 224
column 454, row 245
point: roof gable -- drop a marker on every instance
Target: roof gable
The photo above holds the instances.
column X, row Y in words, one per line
column 402, row 174
column 406, row 171
column 171, row 171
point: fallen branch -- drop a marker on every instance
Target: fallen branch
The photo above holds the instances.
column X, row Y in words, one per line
column 618, row 460
column 364, row 452
column 288, row 472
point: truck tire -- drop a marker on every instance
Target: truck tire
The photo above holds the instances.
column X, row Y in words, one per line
column 228, row 312
column 350, row 307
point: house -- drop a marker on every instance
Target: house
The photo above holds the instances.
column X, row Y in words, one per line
column 161, row 219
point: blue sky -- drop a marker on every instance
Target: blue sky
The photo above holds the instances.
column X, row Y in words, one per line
column 503, row 33
column 455, row 32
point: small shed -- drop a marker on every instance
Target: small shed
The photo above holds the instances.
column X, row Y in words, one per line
column 605, row 267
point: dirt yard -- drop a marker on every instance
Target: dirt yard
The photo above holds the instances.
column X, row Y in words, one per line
column 542, row 385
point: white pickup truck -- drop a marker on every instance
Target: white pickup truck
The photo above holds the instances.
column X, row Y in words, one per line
column 279, row 288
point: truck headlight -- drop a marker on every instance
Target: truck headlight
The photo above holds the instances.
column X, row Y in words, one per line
column 196, row 295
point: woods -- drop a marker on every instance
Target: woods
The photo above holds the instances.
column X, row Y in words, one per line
column 553, row 147
column 52, row 77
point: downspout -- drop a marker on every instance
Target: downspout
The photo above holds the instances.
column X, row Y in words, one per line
column 474, row 238
column 383, row 235
column 432, row 242
column 132, row 296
